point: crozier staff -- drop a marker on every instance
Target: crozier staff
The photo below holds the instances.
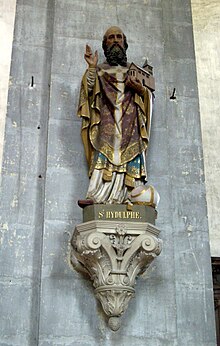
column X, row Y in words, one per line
column 115, row 110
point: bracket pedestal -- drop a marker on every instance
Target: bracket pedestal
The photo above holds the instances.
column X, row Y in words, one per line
column 113, row 249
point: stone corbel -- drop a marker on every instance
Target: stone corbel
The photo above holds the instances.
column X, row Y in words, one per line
column 113, row 253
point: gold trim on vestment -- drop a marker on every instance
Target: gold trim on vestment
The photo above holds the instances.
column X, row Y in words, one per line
column 145, row 203
column 149, row 187
column 129, row 181
column 118, row 121
column 107, row 175
column 152, row 194
column 139, row 194
column 127, row 154
column 90, row 116
column 89, row 110
column 108, row 167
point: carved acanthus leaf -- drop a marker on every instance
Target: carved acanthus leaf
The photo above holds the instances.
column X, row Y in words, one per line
column 114, row 257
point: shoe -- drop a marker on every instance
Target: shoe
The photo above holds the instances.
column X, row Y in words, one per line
column 82, row 203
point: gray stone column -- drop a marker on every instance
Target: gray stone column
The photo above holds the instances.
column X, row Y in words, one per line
column 24, row 172
column 45, row 173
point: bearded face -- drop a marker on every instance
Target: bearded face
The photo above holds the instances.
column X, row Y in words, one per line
column 115, row 55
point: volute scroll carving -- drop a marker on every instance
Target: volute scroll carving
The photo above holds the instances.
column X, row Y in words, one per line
column 114, row 254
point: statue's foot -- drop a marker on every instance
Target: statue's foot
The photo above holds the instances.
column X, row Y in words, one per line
column 82, row 203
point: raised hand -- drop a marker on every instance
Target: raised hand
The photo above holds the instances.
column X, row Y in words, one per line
column 134, row 84
column 91, row 59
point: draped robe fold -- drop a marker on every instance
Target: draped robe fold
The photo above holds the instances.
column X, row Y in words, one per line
column 115, row 133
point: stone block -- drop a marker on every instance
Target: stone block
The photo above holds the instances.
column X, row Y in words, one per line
column 65, row 148
column 19, row 199
column 192, row 310
column 116, row 213
column 32, row 23
column 65, row 97
column 64, row 188
column 16, row 261
column 182, row 36
column 32, row 61
column 17, row 317
column 69, row 304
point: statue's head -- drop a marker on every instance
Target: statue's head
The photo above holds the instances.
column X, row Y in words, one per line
column 115, row 45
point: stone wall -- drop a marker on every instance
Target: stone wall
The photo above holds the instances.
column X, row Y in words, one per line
column 7, row 10
column 206, row 23
column 44, row 302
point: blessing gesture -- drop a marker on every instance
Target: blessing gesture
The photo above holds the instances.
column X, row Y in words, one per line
column 91, row 59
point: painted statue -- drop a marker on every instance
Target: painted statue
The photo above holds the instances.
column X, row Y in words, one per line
column 116, row 111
